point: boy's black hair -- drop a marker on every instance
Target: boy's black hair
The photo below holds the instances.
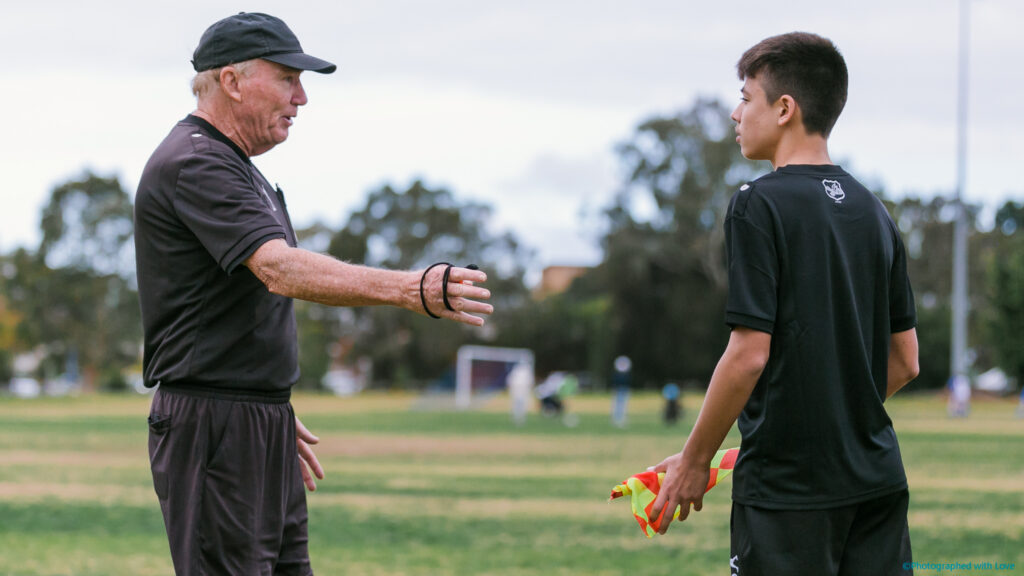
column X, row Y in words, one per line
column 806, row 66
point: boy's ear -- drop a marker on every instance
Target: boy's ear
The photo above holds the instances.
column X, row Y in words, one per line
column 787, row 109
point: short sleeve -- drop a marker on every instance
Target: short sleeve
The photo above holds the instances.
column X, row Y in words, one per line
column 902, row 311
column 752, row 262
column 217, row 199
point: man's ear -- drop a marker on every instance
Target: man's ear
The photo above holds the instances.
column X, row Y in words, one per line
column 229, row 79
column 787, row 109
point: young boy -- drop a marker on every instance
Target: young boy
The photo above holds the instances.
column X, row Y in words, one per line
column 822, row 318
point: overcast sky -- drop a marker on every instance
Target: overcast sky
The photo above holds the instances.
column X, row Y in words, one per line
column 518, row 104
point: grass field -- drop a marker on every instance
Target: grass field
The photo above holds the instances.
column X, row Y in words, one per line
column 412, row 492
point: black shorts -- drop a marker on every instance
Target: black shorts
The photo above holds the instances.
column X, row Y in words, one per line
column 226, row 472
column 866, row 539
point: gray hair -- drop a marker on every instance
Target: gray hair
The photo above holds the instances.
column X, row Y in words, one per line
column 206, row 80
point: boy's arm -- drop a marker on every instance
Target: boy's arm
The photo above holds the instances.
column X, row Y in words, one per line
column 737, row 373
column 903, row 366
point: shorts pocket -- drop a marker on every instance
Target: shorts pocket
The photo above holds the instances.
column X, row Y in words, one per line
column 159, row 424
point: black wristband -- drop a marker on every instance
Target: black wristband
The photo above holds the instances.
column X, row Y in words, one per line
column 444, row 288
column 423, row 299
column 444, row 279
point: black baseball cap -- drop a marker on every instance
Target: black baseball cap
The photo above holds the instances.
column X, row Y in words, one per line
column 249, row 35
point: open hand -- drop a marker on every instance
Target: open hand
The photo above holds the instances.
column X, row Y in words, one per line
column 463, row 296
column 308, row 463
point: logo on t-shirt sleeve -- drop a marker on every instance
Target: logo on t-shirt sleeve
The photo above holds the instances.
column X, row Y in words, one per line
column 834, row 190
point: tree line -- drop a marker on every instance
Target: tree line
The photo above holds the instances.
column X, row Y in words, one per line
column 657, row 295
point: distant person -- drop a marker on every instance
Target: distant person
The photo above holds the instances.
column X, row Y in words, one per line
column 621, row 379
column 959, row 396
column 673, row 403
column 568, row 388
column 553, row 394
column 1020, row 404
column 823, row 332
column 520, row 387
column 217, row 270
column 548, row 392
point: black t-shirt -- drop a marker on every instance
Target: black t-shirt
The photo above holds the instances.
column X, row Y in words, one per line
column 816, row 261
column 201, row 209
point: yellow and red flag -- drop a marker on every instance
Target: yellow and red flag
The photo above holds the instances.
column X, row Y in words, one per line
column 643, row 489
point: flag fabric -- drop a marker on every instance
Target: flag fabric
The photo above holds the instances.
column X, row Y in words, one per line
column 643, row 489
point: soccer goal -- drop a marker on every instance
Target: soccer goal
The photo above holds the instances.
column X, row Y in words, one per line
column 482, row 368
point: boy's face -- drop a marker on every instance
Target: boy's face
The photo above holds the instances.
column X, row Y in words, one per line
column 757, row 122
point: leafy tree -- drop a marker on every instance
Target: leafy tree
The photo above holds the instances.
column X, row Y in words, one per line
column 927, row 230
column 664, row 250
column 1005, row 316
column 87, row 225
column 75, row 295
column 410, row 229
column 8, row 324
column 568, row 331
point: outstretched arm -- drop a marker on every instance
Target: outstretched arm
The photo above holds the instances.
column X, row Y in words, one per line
column 686, row 473
column 306, row 275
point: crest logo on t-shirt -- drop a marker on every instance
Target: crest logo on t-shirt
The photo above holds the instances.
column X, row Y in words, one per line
column 834, row 190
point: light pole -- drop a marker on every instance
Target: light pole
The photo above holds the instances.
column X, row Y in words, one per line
column 959, row 304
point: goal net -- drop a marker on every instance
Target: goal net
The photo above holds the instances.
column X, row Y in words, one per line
column 485, row 368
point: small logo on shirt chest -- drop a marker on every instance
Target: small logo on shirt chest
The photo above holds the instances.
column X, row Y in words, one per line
column 834, row 190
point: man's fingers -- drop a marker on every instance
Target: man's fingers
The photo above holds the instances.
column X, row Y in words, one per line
column 466, row 275
column 472, row 307
column 307, row 478
column 465, row 310
column 698, row 505
column 308, row 463
column 304, row 434
column 463, row 297
column 459, row 290
column 465, row 318
column 309, row 457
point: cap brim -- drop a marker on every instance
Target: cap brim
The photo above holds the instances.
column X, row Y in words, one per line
column 302, row 61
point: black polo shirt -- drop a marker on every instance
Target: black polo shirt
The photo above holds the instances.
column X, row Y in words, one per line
column 816, row 261
column 201, row 209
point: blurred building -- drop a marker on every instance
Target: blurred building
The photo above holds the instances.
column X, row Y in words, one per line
column 557, row 279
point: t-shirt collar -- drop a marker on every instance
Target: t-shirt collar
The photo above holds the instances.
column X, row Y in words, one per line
column 824, row 169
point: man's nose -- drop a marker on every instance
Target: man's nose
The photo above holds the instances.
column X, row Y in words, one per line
column 299, row 95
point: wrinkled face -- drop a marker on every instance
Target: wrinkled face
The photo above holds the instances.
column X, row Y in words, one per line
column 271, row 96
column 757, row 122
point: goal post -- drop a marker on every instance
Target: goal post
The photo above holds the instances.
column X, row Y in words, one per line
column 473, row 353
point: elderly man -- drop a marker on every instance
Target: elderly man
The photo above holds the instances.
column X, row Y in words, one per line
column 218, row 268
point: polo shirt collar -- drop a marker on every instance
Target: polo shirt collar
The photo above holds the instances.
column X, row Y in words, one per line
column 216, row 135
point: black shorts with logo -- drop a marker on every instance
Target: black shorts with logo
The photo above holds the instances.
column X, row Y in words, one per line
column 866, row 539
column 226, row 472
